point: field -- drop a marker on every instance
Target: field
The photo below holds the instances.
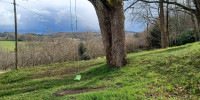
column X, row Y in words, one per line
column 166, row 74
column 8, row 45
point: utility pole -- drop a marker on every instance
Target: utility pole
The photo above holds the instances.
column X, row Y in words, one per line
column 16, row 37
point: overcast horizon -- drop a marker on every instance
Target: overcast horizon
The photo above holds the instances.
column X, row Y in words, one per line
column 45, row 16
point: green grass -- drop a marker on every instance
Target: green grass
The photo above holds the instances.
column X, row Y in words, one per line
column 8, row 45
column 166, row 74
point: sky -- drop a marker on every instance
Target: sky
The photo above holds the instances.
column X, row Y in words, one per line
column 47, row 16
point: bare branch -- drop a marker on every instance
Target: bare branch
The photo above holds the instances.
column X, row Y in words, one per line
column 130, row 6
column 175, row 3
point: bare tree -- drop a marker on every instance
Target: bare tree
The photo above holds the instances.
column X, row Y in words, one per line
column 179, row 6
column 195, row 10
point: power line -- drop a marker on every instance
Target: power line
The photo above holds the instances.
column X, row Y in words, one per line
column 34, row 12
column 50, row 20
column 71, row 15
column 6, row 2
column 76, row 17
column 33, row 3
column 37, row 4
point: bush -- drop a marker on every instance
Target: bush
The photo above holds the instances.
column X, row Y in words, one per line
column 186, row 37
column 94, row 47
column 155, row 37
column 135, row 42
column 131, row 43
column 82, row 52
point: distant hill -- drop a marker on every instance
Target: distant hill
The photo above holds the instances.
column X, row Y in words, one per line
column 7, row 36
column 11, row 34
column 35, row 36
column 131, row 32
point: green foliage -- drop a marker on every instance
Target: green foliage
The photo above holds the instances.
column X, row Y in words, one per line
column 163, row 74
column 155, row 38
column 115, row 2
column 82, row 52
column 9, row 45
column 186, row 37
column 137, row 50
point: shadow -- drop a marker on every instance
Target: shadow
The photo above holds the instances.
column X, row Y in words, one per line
column 30, row 85
column 97, row 74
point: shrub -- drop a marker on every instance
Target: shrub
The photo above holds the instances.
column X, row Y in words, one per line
column 184, row 38
column 82, row 52
column 94, row 47
column 155, row 37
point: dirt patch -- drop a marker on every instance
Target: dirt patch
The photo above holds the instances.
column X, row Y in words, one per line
column 78, row 91
column 2, row 72
column 30, row 90
column 119, row 84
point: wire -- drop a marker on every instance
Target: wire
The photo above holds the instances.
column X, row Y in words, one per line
column 52, row 19
column 39, row 15
column 39, row 5
column 32, row 12
column 71, row 15
column 6, row 2
column 76, row 17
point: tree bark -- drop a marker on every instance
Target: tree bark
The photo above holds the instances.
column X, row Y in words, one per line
column 193, row 21
column 197, row 13
column 195, row 28
column 198, row 20
column 162, row 25
column 111, row 20
column 167, row 24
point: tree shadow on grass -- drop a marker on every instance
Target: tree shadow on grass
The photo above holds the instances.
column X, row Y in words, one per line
column 89, row 76
column 34, row 85
column 99, row 73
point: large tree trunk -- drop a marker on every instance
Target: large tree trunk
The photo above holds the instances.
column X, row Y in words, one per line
column 197, row 13
column 194, row 26
column 167, row 24
column 193, row 21
column 111, row 19
column 162, row 25
column 198, row 19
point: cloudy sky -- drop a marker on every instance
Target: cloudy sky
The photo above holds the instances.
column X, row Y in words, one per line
column 44, row 16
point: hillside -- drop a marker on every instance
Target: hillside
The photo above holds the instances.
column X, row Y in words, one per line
column 172, row 73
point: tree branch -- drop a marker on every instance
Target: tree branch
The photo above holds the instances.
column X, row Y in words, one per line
column 130, row 6
column 174, row 3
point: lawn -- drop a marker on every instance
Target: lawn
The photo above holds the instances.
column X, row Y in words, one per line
column 8, row 45
column 166, row 74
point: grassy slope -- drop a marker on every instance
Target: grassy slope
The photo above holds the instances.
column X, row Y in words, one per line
column 172, row 73
column 8, row 45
